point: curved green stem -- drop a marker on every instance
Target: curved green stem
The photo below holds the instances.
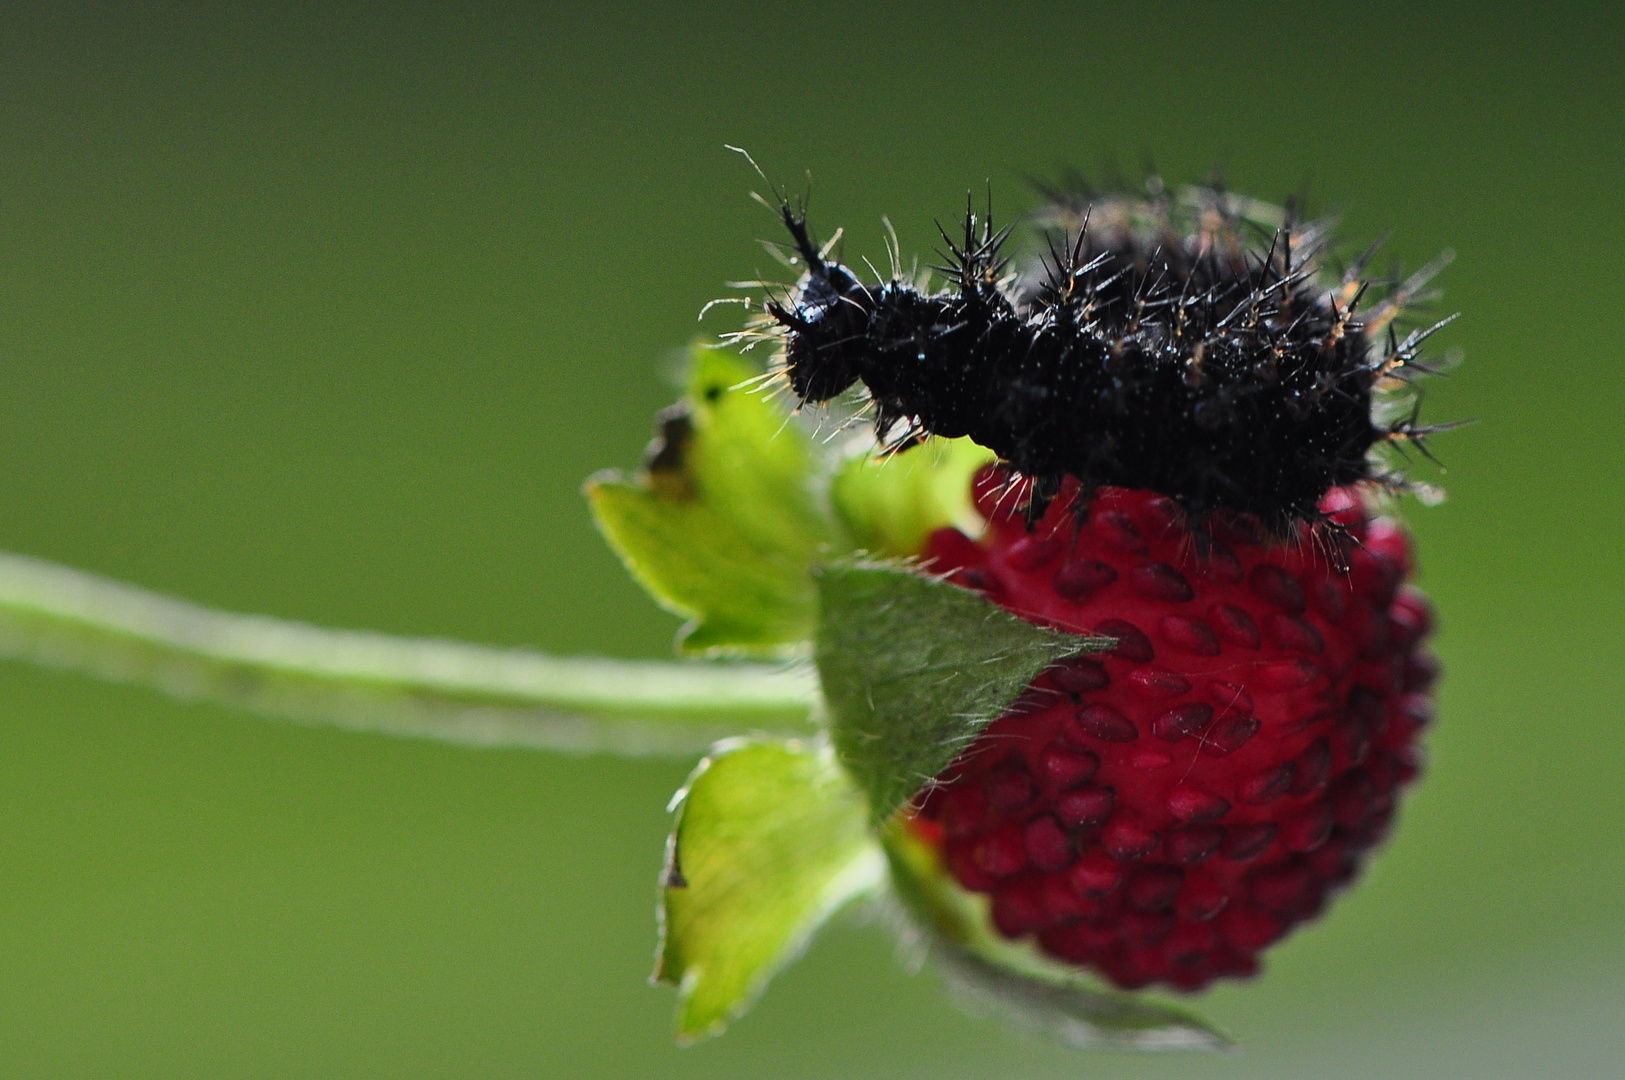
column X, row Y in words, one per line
column 419, row 687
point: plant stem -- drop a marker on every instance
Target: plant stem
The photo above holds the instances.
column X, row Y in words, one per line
column 418, row 687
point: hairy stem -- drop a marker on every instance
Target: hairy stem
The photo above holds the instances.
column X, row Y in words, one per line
column 418, row 687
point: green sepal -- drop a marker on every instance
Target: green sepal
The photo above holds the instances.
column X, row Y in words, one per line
column 891, row 504
column 724, row 520
column 955, row 928
column 914, row 668
column 771, row 839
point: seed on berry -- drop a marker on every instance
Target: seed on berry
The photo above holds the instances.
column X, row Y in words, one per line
column 1416, row 711
column 1095, row 875
column 1228, row 736
column 1365, row 704
column 1159, row 581
column 1114, row 527
column 1189, row 635
column 1063, row 905
column 1331, row 599
column 1075, row 580
column 1269, row 785
column 1018, row 907
column 1085, row 806
column 1246, row 842
column 1132, row 645
column 1107, row 724
column 1064, row 767
column 1293, row 633
column 1354, row 735
column 1193, row 843
column 1353, row 798
column 1309, row 828
column 1182, row 721
column 1193, row 805
column 1235, row 625
column 1079, row 676
column 980, row 579
column 1421, row 671
column 1159, row 516
column 1221, row 564
column 1048, row 848
column 1288, row 674
column 1033, row 551
column 1230, row 697
column 1313, row 766
column 1159, row 683
column 1274, row 585
column 1124, row 838
column 1412, row 614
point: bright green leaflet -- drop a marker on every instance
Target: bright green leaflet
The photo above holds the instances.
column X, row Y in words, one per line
column 771, row 839
column 914, row 668
column 891, row 505
column 724, row 520
column 1014, row 979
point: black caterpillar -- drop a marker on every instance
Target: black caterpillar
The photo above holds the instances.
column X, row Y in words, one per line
column 1177, row 344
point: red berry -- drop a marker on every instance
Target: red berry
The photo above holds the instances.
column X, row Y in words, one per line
column 1163, row 812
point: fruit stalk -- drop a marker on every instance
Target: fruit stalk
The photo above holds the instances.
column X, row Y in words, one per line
column 449, row 691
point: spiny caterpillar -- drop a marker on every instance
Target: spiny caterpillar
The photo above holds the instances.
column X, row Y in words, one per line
column 1194, row 344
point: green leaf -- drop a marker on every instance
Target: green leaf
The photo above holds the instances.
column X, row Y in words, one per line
column 955, row 927
column 890, row 504
column 723, row 521
column 771, row 839
column 914, row 668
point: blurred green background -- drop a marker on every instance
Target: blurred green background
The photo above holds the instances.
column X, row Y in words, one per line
column 327, row 314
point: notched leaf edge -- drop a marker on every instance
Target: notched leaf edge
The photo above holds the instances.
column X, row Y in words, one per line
column 844, row 855
column 725, row 516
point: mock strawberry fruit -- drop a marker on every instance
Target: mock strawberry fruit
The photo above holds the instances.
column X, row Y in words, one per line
column 1189, row 402
column 1163, row 812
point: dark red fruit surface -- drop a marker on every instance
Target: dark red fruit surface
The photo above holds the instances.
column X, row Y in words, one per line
column 1163, row 812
